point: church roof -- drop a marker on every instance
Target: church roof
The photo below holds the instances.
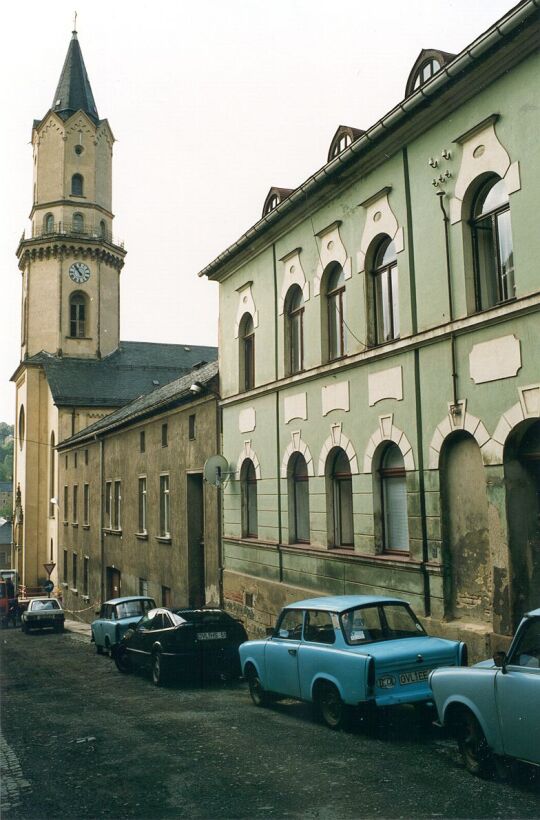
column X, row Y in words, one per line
column 172, row 394
column 73, row 92
column 135, row 368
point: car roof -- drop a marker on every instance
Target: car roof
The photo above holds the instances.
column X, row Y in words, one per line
column 127, row 598
column 340, row 603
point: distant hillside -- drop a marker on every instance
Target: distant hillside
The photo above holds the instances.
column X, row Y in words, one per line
column 6, row 451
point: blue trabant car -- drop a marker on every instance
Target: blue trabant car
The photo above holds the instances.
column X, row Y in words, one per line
column 493, row 708
column 114, row 619
column 344, row 651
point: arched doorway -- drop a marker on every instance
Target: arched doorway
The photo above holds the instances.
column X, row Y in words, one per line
column 522, row 481
column 465, row 534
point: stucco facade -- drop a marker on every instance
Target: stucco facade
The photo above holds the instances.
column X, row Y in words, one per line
column 446, row 404
column 109, row 545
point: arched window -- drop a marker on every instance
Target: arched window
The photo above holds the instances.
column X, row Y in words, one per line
column 78, row 223
column 335, row 297
column 52, row 477
column 103, row 229
column 394, row 500
column 248, row 486
column 426, row 72
column 77, row 315
column 247, row 353
column 339, row 496
column 385, row 293
column 492, row 245
column 48, row 223
column 77, row 185
column 298, row 481
column 294, row 332
column 21, row 427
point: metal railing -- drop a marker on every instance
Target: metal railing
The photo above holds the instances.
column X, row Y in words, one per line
column 74, row 230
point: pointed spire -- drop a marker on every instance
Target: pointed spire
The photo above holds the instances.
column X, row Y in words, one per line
column 73, row 92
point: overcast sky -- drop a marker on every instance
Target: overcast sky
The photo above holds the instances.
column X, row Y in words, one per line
column 211, row 104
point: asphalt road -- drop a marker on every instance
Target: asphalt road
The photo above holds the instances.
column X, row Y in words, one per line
column 80, row 740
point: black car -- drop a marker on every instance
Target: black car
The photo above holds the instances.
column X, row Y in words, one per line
column 186, row 643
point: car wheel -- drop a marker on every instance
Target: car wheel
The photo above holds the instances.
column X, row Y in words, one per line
column 158, row 675
column 473, row 745
column 256, row 690
column 330, row 707
column 122, row 660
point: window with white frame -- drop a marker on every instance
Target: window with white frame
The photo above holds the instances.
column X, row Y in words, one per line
column 335, row 300
column 492, row 245
column 108, row 504
column 294, row 331
column 86, row 504
column 75, row 516
column 142, row 504
column 164, row 507
column 385, row 293
column 117, row 512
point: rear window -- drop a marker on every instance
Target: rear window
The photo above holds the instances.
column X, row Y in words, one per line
column 52, row 603
column 205, row 617
column 380, row 623
column 133, row 609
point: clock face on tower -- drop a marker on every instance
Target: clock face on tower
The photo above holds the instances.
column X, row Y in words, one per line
column 79, row 272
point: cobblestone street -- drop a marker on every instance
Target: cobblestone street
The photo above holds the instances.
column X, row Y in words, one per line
column 82, row 741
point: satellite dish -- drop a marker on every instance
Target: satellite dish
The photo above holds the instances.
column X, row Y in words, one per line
column 216, row 470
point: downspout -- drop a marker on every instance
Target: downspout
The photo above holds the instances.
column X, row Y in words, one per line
column 278, row 446
column 101, row 516
column 446, row 221
column 417, row 386
column 219, row 446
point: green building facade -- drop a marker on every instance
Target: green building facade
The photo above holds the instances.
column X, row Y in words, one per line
column 379, row 368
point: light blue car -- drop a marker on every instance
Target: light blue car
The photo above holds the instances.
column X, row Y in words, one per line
column 345, row 651
column 493, row 708
column 115, row 618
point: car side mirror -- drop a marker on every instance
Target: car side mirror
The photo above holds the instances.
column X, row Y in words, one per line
column 269, row 631
column 499, row 659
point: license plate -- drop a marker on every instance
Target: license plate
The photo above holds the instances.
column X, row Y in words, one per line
column 414, row 677
column 211, row 636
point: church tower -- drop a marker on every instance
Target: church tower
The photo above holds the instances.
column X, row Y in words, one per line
column 71, row 264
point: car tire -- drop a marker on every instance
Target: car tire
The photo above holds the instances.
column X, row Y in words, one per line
column 473, row 746
column 122, row 660
column 158, row 674
column 257, row 692
column 331, row 709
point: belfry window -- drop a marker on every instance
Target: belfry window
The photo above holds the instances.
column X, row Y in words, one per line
column 77, row 316
column 48, row 223
column 77, row 186
column 78, row 223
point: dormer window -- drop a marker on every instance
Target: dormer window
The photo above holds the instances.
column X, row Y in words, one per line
column 427, row 64
column 274, row 197
column 341, row 140
column 426, row 72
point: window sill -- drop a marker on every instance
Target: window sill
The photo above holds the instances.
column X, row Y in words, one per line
column 86, row 598
column 111, row 531
column 74, row 590
column 79, row 338
column 63, row 584
column 164, row 539
column 142, row 536
column 86, row 526
column 74, row 524
column 65, row 523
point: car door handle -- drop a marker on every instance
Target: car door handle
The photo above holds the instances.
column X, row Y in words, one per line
column 292, row 652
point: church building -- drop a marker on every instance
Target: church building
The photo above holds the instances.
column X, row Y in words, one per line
column 74, row 369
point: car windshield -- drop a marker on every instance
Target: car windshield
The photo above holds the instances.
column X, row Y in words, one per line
column 133, row 609
column 381, row 622
column 51, row 603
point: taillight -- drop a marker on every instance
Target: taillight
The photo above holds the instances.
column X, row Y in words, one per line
column 463, row 655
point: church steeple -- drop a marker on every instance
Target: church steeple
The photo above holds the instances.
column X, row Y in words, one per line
column 73, row 92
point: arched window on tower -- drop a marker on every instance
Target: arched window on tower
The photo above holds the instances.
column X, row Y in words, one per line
column 77, row 186
column 78, row 315
column 103, row 229
column 78, row 223
column 21, row 429
column 48, row 223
